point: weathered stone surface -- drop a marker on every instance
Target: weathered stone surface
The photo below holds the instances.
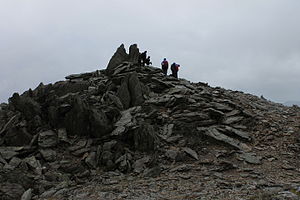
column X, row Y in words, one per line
column 232, row 120
column 191, row 152
column 99, row 124
column 135, row 89
column 239, row 133
column 14, row 162
column 91, row 160
column 34, row 164
column 134, row 53
column 140, row 165
column 26, row 105
column 47, row 139
column 251, row 158
column 124, row 94
column 11, row 191
column 7, row 153
column 27, row 195
column 215, row 134
column 119, row 56
column 48, row 154
column 145, row 138
column 82, row 120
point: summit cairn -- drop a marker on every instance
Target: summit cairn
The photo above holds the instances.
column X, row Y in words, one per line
column 130, row 126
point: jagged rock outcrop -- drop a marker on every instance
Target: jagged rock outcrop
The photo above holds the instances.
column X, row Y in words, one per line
column 126, row 118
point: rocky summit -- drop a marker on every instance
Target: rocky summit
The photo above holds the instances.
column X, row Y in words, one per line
column 129, row 132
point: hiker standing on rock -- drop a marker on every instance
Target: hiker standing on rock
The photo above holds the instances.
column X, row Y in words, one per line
column 165, row 66
column 143, row 58
column 175, row 68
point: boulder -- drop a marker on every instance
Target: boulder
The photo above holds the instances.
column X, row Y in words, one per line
column 145, row 138
column 47, row 139
column 135, row 89
column 134, row 53
column 26, row 105
column 124, row 94
column 48, row 154
column 76, row 120
column 17, row 136
column 118, row 58
column 215, row 134
column 11, row 191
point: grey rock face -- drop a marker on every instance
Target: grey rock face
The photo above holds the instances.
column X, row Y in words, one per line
column 82, row 120
column 145, row 138
column 131, row 92
column 134, row 53
column 11, row 191
column 215, row 134
column 118, row 58
column 27, row 106
column 124, row 94
column 47, row 139
column 135, row 90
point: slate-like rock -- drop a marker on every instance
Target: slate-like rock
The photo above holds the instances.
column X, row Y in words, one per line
column 124, row 94
column 135, row 89
column 191, row 152
column 119, row 56
column 145, row 138
column 11, row 191
column 48, row 154
column 47, row 139
column 27, row 195
column 215, row 134
column 134, row 53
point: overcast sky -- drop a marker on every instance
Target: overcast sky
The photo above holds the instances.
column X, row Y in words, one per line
column 247, row 45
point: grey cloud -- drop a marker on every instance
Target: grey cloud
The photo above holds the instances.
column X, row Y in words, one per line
column 249, row 45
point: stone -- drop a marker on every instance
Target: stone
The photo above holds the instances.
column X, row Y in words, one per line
column 34, row 164
column 125, row 122
column 108, row 146
column 85, row 121
column 17, row 136
column 134, row 53
column 99, row 123
column 242, row 134
column 232, row 120
column 215, row 134
column 116, row 101
column 251, row 158
column 91, row 160
column 145, row 139
column 124, row 162
column 27, row 195
column 11, row 191
column 7, row 154
column 47, row 139
column 123, row 93
column 118, row 58
column 191, row 152
column 15, row 162
column 26, row 105
column 140, row 164
column 79, row 76
column 181, row 168
column 48, row 154
column 135, row 89
column 172, row 154
column 152, row 172
column 215, row 114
